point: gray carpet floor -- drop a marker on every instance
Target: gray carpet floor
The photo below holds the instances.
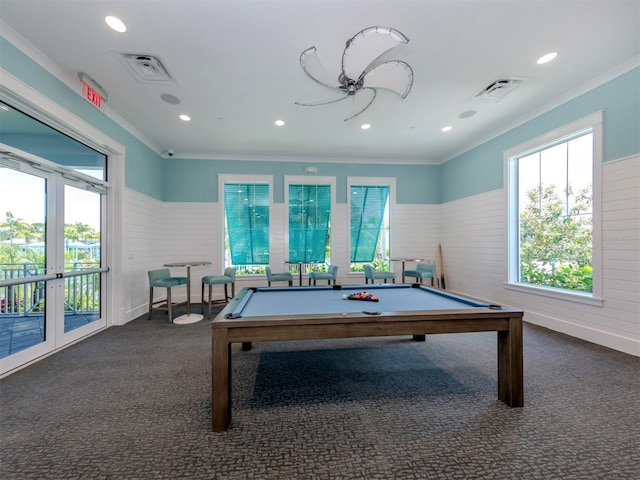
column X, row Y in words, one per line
column 133, row 402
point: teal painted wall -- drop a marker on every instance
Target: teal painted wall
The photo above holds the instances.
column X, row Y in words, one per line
column 197, row 180
column 482, row 168
column 143, row 167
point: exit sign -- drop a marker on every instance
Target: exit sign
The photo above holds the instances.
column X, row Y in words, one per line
column 92, row 96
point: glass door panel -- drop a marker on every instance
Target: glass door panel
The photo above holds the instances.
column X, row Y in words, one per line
column 50, row 261
column 23, row 253
column 82, row 291
column 51, row 267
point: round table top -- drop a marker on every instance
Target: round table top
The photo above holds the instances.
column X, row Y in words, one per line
column 187, row 264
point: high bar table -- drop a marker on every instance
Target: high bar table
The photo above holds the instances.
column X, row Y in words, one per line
column 300, row 265
column 188, row 317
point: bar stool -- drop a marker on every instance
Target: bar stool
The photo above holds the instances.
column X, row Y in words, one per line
column 329, row 275
column 422, row 271
column 278, row 277
column 229, row 277
column 162, row 278
column 372, row 274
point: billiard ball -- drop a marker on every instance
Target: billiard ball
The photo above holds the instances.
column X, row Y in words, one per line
column 344, row 296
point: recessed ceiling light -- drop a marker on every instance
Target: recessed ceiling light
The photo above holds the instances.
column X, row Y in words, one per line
column 448, row 128
column 279, row 123
column 116, row 24
column 547, row 58
column 365, row 126
column 185, row 118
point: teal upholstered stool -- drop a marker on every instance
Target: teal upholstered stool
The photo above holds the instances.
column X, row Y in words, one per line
column 162, row 278
column 278, row 277
column 372, row 274
column 330, row 275
column 229, row 277
column 422, row 271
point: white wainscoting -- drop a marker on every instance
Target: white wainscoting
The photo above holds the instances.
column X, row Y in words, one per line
column 474, row 243
column 472, row 232
column 415, row 233
column 141, row 215
column 158, row 232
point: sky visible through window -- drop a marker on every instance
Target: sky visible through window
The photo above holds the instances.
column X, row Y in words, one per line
column 23, row 195
column 553, row 165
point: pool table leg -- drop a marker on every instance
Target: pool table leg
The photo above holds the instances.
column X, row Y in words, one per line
column 220, row 380
column 419, row 338
column 510, row 376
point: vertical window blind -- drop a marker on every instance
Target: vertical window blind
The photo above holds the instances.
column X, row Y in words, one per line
column 246, row 208
column 309, row 217
column 368, row 205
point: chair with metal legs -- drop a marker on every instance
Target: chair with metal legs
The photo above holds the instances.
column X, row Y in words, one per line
column 422, row 271
column 162, row 278
column 278, row 277
column 229, row 277
column 372, row 274
column 330, row 275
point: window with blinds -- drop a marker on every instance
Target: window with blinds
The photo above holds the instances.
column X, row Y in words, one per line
column 309, row 222
column 246, row 208
column 368, row 206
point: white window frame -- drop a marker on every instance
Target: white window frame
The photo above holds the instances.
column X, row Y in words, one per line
column 242, row 178
column 593, row 122
column 306, row 180
column 379, row 182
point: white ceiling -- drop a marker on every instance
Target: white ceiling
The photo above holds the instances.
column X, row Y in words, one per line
column 236, row 68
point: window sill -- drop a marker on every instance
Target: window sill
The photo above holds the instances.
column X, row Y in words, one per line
column 577, row 297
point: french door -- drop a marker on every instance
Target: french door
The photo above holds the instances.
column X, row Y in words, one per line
column 51, row 262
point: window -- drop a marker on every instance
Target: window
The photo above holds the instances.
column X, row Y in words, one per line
column 551, row 210
column 309, row 217
column 51, row 250
column 369, row 221
column 246, row 207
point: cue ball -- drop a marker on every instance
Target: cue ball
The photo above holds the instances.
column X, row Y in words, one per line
column 344, row 296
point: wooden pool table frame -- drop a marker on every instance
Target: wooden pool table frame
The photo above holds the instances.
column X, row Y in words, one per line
column 506, row 321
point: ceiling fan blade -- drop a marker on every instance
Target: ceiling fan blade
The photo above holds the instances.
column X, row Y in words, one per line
column 312, row 66
column 366, row 46
column 325, row 101
column 361, row 101
column 394, row 75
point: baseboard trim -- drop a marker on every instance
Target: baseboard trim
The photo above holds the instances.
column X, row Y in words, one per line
column 614, row 341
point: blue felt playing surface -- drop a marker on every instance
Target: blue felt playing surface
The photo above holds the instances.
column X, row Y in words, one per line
column 325, row 300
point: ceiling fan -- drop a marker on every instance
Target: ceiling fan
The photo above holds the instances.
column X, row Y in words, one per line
column 360, row 77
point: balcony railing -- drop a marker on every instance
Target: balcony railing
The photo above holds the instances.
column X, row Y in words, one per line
column 81, row 292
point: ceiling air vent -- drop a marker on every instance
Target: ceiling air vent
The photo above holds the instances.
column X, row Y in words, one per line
column 146, row 68
column 498, row 89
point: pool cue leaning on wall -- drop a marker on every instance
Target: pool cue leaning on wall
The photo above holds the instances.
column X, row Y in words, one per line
column 442, row 284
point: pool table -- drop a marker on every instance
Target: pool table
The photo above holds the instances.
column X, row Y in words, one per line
column 305, row 313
